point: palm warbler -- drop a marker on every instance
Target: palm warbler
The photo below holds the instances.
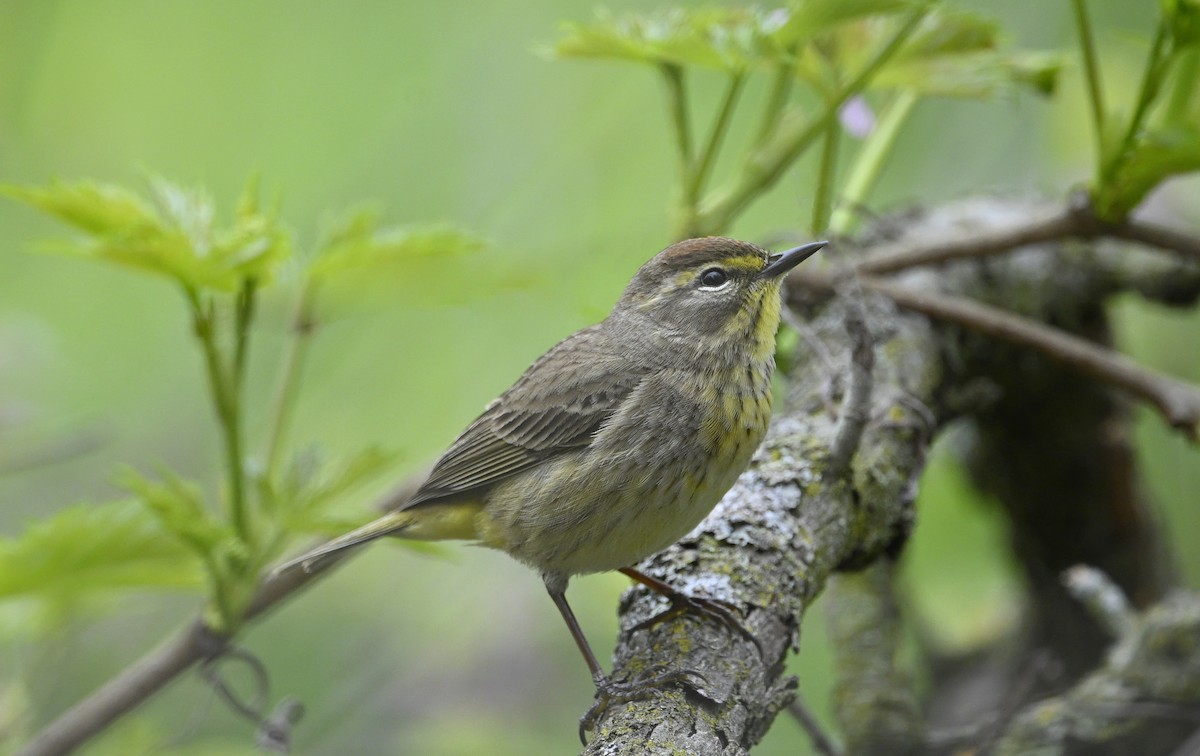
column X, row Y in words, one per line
column 620, row 439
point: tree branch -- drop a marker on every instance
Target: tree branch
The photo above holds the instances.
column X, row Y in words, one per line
column 875, row 697
column 1078, row 221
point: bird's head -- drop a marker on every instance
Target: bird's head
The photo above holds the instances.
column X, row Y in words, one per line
column 712, row 289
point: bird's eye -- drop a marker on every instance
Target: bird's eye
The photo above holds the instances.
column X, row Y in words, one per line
column 713, row 278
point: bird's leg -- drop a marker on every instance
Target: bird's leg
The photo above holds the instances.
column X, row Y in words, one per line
column 559, row 596
column 719, row 611
column 608, row 691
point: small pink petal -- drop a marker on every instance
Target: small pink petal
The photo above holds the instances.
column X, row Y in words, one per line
column 857, row 117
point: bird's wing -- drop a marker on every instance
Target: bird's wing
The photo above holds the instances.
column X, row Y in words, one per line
column 557, row 405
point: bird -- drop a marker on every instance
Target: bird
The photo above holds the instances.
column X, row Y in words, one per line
column 620, row 439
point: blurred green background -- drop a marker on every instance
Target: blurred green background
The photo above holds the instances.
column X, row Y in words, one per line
column 437, row 111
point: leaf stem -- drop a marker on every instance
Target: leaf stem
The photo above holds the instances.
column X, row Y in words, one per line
column 1091, row 71
column 283, row 402
column 223, row 388
column 868, row 165
column 781, row 87
column 1151, row 82
column 677, row 98
column 736, row 82
column 246, row 299
column 826, row 175
column 1185, row 86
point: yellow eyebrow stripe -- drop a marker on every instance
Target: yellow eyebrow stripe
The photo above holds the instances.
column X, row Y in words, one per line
column 746, row 263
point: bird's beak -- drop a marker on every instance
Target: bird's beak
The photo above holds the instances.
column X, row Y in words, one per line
column 781, row 262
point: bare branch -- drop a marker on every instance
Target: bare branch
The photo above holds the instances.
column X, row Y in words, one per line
column 903, row 256
column 856, row 409
column 150, row 674
column 1176, row 401
column 1076, row 222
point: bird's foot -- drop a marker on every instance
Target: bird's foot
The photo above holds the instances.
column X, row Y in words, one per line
column 611, row 692
column 722, row 612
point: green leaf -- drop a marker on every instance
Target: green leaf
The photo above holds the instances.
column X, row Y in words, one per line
column 730, row 39
column 179, row 507
column 1156, row 156
column 310, row 486
column 172, row 233
column 356, row 244
column 100, row 209
column 810, row 18
column 251, row 248
column 977, row 75
column 951, row 32
column 95, row 547
column 960, row 54
column 360, row 265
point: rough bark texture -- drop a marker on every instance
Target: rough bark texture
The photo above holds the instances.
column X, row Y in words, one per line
column 787, row 526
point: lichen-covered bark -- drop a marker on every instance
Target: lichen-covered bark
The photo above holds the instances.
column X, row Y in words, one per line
column 1144, row 700
column 875, row 697
column 775, row 540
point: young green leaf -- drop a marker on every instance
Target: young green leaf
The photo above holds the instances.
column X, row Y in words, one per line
column 95, row 547
column 960, row 54
column 810, row 18
column 179, row 507
column 977, row 75
column 97, row 209
column 356, row 244
column 948, row 32
column 172, row 233
column 361, row 265
column 729, row 39
column 310, row 485
column 1157, row 155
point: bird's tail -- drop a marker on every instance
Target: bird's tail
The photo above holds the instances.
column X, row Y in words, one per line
column 435, row 522
column 393, row 523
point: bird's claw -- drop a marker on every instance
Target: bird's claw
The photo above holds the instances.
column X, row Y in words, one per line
column 723, row 613
column 610, row 692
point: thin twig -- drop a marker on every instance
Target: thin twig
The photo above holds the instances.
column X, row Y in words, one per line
column 176, row 655
column 124, row 692
column 1176, row 401
column 905, row 256
column 1152, row 235
column 1076, row 222
column 1102, row 597
column 821, row 742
